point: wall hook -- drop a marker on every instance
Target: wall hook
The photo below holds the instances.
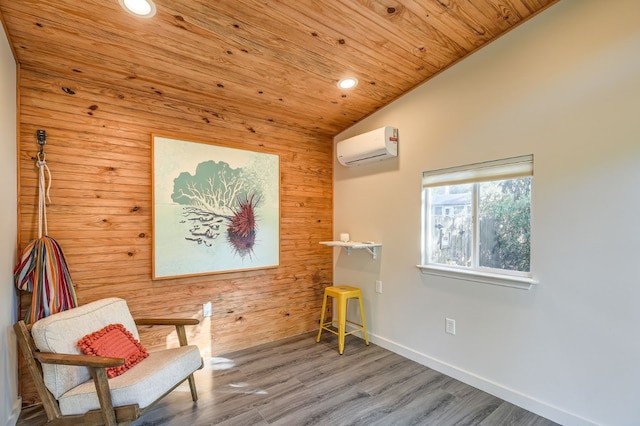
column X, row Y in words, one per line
column 41, row 136
column 42, row 139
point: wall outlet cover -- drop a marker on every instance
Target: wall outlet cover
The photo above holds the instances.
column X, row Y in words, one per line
column 450, row 326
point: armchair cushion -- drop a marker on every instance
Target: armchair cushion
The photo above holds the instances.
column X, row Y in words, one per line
column 60, row 333
column 114, row 341
column 142, row 385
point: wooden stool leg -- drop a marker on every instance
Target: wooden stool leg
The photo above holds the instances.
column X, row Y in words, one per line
column 342, row 322
column 364, row 322
column 324, row 307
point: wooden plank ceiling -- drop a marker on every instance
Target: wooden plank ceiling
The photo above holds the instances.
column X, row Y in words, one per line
column 277, row 61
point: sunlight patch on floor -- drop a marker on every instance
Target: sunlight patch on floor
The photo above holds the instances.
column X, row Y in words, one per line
column 218, row 363
column 242, row 387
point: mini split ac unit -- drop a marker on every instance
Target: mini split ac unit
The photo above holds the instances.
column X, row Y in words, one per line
column 376, row 145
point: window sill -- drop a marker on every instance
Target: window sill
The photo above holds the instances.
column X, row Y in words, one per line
column 523, row 283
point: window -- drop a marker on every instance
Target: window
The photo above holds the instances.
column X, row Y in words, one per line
column 476, row 222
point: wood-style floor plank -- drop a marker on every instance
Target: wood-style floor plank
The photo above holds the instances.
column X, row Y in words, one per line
column 297, row 381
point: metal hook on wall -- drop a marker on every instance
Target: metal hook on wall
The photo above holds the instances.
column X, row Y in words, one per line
column 41, row 136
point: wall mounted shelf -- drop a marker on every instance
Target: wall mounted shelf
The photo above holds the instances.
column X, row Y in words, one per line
column 370, row 246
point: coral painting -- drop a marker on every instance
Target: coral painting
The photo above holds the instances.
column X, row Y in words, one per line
column 216, row 209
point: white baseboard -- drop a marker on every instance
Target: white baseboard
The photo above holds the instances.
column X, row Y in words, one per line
column 514, row 397
column 15, row 412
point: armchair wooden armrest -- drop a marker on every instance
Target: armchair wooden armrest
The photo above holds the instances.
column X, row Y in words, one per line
column 179, row 323
column 79, row 360
column 166, row 321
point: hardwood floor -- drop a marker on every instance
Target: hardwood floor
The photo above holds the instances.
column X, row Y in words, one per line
column 297, row 381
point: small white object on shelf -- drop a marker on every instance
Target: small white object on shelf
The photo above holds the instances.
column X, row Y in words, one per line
column 370, row 246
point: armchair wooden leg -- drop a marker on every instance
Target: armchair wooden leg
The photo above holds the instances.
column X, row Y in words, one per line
column 192, row 386
column 104, row 396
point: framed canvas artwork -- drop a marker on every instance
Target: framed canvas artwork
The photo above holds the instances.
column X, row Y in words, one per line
column 215, row 209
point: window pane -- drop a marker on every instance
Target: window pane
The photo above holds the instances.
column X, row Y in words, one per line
column 450, row 225
column 504, row 224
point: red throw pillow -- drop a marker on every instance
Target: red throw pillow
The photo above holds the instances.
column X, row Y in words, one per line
column 114, row 341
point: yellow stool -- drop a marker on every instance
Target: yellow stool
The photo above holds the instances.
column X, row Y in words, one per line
column 341, row 295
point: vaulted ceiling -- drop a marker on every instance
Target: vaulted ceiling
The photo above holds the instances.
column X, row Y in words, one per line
column 277, row 61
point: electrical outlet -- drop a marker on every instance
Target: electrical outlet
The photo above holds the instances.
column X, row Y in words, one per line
column 450, row 326
column 378, row 286
column 206, row 309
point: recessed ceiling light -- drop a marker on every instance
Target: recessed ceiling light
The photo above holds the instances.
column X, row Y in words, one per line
column 139, row 8
column 348, row 83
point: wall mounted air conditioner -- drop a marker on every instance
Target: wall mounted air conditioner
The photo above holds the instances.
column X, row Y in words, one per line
column 376, row 145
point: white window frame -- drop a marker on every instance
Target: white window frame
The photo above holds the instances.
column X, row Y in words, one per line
column 508, row 168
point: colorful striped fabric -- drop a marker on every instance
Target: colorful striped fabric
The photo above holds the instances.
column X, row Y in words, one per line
column 42, row 269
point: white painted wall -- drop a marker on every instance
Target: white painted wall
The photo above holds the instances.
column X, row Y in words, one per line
column 565, row 87
column 9, row 402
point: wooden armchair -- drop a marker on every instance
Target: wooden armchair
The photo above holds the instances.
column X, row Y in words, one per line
column 74, row 388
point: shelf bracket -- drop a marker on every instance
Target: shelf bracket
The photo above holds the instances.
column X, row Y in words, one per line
column 373, row 251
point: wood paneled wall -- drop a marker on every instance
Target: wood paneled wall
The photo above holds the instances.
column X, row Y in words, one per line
column 99, row 153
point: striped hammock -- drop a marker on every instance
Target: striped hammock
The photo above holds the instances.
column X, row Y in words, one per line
column 42, row 269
